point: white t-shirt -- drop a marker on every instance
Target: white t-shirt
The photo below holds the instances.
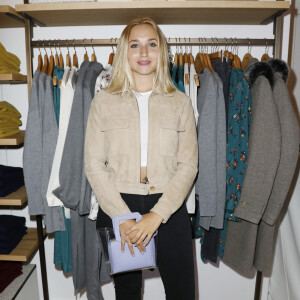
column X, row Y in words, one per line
column 142, row 100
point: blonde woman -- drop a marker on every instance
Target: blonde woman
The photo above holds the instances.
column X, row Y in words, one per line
column 141, row 155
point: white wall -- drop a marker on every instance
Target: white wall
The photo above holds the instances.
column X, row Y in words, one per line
column 214, row 282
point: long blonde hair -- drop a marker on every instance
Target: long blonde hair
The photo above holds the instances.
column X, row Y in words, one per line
column 122, row 79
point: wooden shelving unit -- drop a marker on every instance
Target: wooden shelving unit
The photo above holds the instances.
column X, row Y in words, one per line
column 163, row 12
column 27, row 246
column 9, row 18
column 18, row 198
column 12, row 78
column 13, row 140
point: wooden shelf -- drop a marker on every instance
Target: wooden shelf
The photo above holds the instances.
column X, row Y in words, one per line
column 25, row 248
column 13, row 140
column 163, row 12
column 18, row 198
column 9, row 18
column 13, row 78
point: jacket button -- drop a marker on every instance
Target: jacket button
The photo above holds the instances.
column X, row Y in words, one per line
column 152, row 188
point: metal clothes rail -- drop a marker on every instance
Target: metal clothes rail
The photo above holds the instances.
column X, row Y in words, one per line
column 230, row 42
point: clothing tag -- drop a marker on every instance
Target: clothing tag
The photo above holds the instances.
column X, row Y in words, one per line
column 197, row 80
column 186, row 79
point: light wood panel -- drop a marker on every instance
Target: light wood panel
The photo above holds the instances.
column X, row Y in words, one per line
column 13, row 78
column 9, row 18
column 17, row 198
column 25, row 248
column 163, row 12
column 13, row 140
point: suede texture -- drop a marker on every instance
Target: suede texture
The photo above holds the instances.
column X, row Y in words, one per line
column 112, row 150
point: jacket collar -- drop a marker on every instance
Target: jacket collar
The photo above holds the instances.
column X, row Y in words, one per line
column 256, row 69
column 279, row 66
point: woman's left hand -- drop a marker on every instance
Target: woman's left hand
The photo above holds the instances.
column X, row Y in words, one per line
column 144, row 228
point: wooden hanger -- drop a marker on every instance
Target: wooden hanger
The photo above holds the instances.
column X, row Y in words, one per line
column 191, row 59
column 75, row 58
column 111, row 58
column 68, row 60
column 247, row 57
column 51, row 65
column 180, row 59
column 40, row 62
column 236, row 62
column 56, row 59
column 45, row 66
column 186, row 59
column 85, row 56
column 199, row 64
column 228, row 54
column 185, row 55
column 236, row 58
column 61, row 60
column 210, row 67
column 93, row 57
column 176, row 59
column 192, row 62
column 265, row 57
column 216, row 55
column 112, row 54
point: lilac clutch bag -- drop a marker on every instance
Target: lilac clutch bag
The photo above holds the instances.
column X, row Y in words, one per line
column 117, row 261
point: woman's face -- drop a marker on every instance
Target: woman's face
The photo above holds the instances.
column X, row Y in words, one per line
column 143, row 51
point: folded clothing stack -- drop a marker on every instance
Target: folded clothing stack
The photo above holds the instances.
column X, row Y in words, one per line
column 9, row 119
column 11, row 179
column 12, row 230
column 9, row 271
column 9, row 63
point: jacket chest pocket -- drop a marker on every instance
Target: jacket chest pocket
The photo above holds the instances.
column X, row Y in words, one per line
column 116, row 135
column 169, row 135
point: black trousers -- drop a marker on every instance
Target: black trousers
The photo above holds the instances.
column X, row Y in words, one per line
column 174, row 253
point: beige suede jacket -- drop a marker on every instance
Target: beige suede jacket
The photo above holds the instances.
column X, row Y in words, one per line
column 112, row 150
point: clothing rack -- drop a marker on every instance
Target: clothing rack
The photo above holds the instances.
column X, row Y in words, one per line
column 227, row 42
column 276, row 44
column 214, row 42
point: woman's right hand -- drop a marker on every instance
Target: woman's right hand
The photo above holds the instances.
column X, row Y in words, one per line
column 127, row 238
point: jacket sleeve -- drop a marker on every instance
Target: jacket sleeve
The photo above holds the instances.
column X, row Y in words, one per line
column 206, row 182
column 104, row 189
column 187, row 166
column 288, row 155
column 32, row 155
